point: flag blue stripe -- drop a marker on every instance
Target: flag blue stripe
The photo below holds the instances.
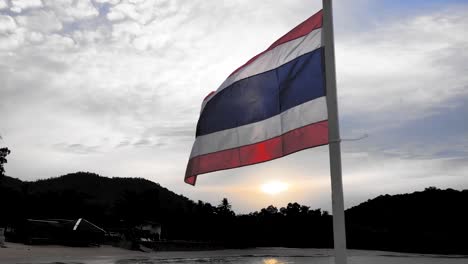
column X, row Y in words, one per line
column 265, row 95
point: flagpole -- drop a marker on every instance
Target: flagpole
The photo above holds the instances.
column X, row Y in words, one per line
column 339, row 233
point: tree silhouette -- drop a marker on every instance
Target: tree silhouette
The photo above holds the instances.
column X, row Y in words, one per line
column 292, row 209
column 3, row 153
column 224, row 208
column 270, row 210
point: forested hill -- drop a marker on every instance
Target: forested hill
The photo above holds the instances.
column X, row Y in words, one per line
column 100, row 199
column 98, row 188
column 429, row 221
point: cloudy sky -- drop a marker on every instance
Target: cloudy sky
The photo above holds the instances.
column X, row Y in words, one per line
column 115, row 86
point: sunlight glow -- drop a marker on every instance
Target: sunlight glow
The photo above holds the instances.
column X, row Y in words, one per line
column 272, row 261
column 274, row 187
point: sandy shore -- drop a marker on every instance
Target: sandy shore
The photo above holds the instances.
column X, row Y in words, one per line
column 24, row 254
column 19, row 253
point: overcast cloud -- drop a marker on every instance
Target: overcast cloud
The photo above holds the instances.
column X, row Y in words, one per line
column 114, row 87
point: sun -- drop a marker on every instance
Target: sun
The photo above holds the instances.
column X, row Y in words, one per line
column 274, row 187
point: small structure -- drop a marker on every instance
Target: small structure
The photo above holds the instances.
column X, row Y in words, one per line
column 59, row 231
column 149, row 231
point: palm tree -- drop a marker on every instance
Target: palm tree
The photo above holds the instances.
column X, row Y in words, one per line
column 224, row 208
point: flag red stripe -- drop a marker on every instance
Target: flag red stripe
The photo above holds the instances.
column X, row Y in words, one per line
column 298, row 139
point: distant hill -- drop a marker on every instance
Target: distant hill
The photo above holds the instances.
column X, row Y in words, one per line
column 10, row 183
column 429, row 221
column 106, row 201
column 95, row 186
column 106, row 191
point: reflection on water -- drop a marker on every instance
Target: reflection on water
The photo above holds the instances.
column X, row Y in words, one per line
column 273, row 261
column 220, row 260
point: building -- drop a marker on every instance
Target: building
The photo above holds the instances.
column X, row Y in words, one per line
column 149, row 231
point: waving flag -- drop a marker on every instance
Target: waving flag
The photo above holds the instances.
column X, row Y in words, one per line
column 271, row 106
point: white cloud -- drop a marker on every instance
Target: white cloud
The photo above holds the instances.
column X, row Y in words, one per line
column 11, row 36
column 35, row 37
column 12, row 41
column 126, row 31
column 59, row 42
column 3, row 4
column 112, row 2
column 145, row 11
column 19, row 5
column 122, row 11
column 81, row 9
column 72, row 10
column 115, row 15
column 40, row 21
column 91, row 37
column 7, row 24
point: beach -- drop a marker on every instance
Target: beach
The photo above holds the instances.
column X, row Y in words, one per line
column 41, row 254
column 20, row 253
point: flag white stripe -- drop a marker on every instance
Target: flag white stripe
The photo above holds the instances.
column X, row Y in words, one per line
column 274, row 58
column 304, row 114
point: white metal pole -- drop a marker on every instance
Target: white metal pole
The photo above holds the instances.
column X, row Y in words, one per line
column 339, row 233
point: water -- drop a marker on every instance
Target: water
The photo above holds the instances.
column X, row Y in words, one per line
column 246, row 256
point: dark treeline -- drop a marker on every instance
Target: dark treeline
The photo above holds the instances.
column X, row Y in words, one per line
column 431, row 221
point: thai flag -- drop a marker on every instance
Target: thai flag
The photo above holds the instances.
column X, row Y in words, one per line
column 270, row 107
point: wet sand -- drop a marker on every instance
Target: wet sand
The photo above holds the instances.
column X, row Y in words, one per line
column 24, row 254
